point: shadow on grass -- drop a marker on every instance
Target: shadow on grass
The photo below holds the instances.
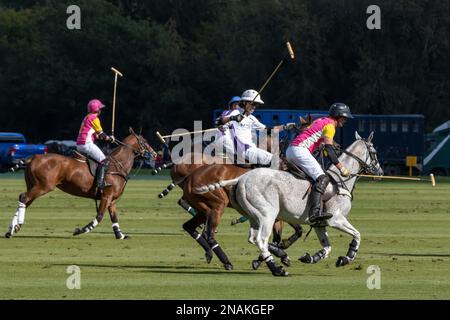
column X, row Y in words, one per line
column 165, row 269
column 445, row 255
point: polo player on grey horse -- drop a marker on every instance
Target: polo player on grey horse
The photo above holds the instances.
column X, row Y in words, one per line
column 301, row 150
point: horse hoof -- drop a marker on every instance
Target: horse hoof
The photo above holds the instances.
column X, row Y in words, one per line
column 256, row 264
column 77, row 232
column 127, row 237
column 234, row 222
column 306, row 258
column 8, row 235
column 208, row 256
column 342, row 261
column 286, row 261
column 228, row 266
column 280, row 272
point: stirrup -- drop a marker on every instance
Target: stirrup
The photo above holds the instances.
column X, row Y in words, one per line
column 319, row 217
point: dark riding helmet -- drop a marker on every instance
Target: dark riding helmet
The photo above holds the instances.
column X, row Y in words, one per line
column 340, row 110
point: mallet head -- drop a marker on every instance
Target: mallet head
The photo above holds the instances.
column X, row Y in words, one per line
column 290, row 50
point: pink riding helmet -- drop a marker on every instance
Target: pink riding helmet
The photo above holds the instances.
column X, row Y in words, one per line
column 95, row 105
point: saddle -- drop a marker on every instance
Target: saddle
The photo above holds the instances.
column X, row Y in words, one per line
column 295, row 170
column 92, row 164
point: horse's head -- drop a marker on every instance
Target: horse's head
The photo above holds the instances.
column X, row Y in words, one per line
column 139, row 144
column 369, row 163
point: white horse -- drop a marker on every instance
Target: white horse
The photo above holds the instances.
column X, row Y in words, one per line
column 264, row 195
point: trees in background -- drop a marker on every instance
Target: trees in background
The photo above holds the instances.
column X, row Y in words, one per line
column 181, row 59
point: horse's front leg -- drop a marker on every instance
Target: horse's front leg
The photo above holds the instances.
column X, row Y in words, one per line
column 341, row 223
column 322, row 253
column 104, row 203
column 115, row 222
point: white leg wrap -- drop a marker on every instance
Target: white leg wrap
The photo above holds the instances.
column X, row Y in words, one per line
column 21, row 212
column 14, row 223
column 94, row 222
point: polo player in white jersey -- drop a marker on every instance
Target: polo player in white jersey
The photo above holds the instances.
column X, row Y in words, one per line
column 242, row 127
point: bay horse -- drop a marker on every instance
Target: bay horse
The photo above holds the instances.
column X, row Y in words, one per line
column 264, row 195
column 210, row 208
column 44, row 173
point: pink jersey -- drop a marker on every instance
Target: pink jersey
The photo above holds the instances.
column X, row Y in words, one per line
column 312, row 137
column 89, row 126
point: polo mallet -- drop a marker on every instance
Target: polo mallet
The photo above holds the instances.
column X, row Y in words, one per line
column 432, row 179
column 291, row 55
column 116, row 72
column 162, row 138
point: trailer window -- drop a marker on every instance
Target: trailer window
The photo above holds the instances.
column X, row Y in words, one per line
column 415, row 126
column 383, row 126
column 275, row 120
column 404, row 126
column 393, row 126
column 361, row 125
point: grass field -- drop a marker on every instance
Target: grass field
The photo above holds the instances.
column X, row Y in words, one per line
column 405, row 230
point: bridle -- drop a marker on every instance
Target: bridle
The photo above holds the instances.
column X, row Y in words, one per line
column 364, row 167
column 370, row 168
column 142, row 150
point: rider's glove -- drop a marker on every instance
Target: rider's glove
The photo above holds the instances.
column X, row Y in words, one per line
column 112, row 139
column 237, row 118
column 344, row 171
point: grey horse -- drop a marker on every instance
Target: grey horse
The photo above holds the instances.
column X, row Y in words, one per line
column 264, row 195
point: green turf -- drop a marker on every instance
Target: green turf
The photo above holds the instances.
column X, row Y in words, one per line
column 405, row 230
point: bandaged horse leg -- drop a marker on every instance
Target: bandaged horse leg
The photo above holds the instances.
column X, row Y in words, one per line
column 104, row 203
column 211, row 225
column 25, row 200
column 345, row 226
column 115, row 222
column 286, row 243
column 262, row 241
column 321, row 254
column 186, row 206
column 18, row 220
column 190, row 227
column 274, row 246
column 241, row 219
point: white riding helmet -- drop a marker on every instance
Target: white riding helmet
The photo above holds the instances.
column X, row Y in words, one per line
column 252, row 96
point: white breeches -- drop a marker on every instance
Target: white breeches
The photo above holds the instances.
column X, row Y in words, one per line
column 303, row 158
column 92, row 151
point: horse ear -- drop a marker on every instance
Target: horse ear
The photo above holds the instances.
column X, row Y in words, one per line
column 369, row 139
column 130, row 129
column 357, row 136
column 302, row 121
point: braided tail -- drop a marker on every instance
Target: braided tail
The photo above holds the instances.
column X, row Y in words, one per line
column 163, row 166
column 214, row 186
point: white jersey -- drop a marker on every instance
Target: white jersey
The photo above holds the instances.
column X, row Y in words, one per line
column 242, row 131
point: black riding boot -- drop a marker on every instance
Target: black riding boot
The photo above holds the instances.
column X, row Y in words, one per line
column 315, row 212
column 101, row 169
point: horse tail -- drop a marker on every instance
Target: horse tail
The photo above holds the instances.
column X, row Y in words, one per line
column 21, row 164
column 214, row 186
column 163, row 166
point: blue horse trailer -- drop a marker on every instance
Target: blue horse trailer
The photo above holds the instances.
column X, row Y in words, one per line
column 396, row 136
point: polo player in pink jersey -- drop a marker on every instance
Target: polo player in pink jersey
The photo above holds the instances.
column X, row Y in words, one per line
column 301, row 150
column 90, row 130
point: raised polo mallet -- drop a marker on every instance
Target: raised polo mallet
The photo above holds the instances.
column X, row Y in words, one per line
column 291, row 55
column 116, row 73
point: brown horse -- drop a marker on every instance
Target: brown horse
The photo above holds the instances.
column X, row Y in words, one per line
column 44, row 173
column 210, row 208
